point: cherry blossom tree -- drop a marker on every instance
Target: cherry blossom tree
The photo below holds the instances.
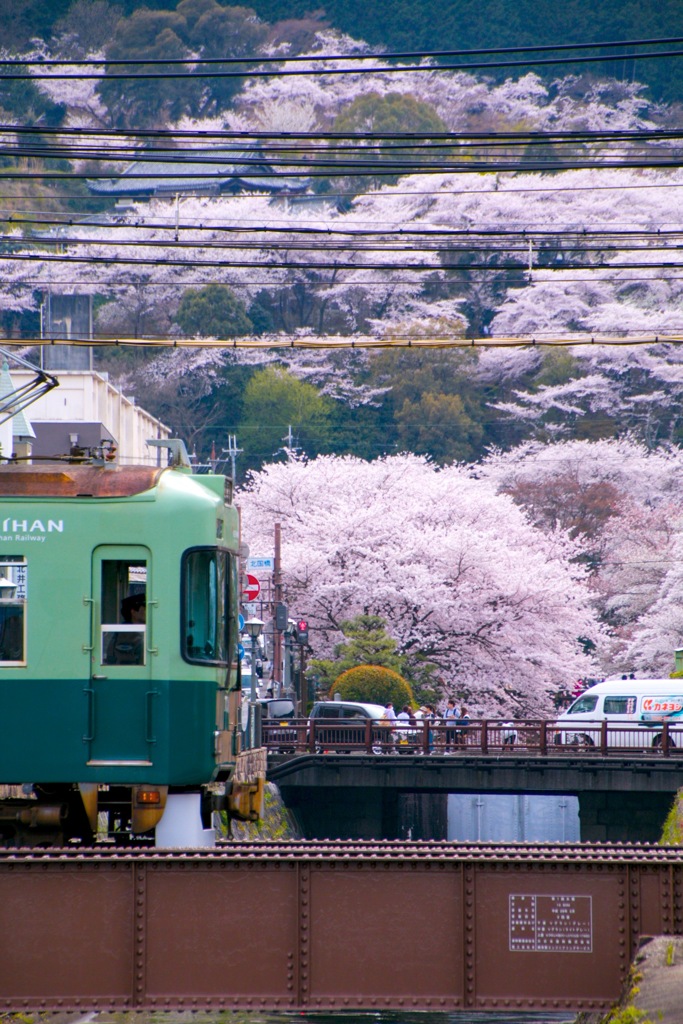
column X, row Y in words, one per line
column 659, row 632
column 631, row 539
column 620, row 388
column 457, row 571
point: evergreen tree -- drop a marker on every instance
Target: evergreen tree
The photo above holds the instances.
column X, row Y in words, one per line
column 366, row 642
column 213, row 312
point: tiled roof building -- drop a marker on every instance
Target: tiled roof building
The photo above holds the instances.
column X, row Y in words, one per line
column 199, row 172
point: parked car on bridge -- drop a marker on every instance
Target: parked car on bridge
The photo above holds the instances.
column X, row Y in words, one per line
column 340, row 725
column 637, row 713
column 277, row 726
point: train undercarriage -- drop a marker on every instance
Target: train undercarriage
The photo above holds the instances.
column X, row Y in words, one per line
column 143, row 815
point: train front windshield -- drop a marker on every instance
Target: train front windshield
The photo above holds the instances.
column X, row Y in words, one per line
column 206, row 603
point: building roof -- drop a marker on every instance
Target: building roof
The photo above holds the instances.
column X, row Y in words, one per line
column 53, row 438
column 198, row 171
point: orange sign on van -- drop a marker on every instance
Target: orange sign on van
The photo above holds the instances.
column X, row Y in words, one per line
column 663, row 705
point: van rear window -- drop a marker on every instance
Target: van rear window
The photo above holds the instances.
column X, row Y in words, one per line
column 279, row 708
column 620, row 705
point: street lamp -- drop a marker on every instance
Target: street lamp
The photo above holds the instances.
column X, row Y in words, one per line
column 254, row 627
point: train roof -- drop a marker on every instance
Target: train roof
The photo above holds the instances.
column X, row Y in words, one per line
column 55, row 480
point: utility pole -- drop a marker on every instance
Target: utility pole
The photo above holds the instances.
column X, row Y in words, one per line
column 290, row 447
column 288, row 682
column 303, row 681
column 232, row 451
column 277, row 597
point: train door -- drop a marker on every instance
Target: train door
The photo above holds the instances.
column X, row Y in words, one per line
column 121, row 697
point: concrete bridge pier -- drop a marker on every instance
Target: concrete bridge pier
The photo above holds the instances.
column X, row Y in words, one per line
column 621, row 799
column 378, row 813
column 618, row 817
column 367, row 813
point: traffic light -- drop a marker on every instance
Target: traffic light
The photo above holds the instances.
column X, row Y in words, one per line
column 281, row 614
column 302, row 631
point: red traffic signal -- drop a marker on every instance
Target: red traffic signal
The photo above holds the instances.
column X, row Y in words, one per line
column 302, row 631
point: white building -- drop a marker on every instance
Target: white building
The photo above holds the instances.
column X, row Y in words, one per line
column 87, row 409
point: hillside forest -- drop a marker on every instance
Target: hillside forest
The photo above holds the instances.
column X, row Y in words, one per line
column 510, row 511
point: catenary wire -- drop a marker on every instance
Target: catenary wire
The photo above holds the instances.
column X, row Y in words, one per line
column 389, row 193
column 407, row 55
column 316, row 72
column 58, row 219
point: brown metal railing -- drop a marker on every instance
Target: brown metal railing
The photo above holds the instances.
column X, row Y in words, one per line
column 480, row 736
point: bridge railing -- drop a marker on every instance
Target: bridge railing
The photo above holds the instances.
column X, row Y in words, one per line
column 546, row 738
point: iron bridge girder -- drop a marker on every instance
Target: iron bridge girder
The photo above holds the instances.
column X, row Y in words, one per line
column 331, row 925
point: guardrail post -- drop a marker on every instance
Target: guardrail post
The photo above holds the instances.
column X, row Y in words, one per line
column 603, row 738
column 484, row 737
column 311, row 737
column 665, row 739
column 543, row 739
column 368, row 735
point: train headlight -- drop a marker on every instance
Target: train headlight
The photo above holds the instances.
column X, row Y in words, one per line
column 147, row 797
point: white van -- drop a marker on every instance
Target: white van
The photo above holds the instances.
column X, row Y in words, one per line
column 635, row 711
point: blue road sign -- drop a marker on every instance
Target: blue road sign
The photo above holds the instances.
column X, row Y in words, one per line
column 240, row 623
column 240, row 650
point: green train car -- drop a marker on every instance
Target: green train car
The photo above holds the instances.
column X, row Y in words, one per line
column 119, row 601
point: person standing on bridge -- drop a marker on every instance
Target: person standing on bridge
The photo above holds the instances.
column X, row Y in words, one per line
column 463, row 723
column 389, row 721
column 429, row 716
column 450, row 717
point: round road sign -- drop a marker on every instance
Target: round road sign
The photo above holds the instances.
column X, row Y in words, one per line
column 252, row 588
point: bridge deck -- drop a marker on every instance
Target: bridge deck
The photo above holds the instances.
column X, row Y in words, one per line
column 472, row 771
column 430, row 926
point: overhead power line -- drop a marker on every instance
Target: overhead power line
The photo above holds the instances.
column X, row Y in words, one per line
column 262, row 263
column 360, row 56
column 518, row 243
column 242, row 138
column 289, row 228
column 390, row 194
column 385, row 169
column 260, row 157
column 342, row 343
column 196, row 65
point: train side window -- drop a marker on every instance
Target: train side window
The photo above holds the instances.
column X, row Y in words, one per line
column 13, row 610
column 206, row 584
column 124, row 612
